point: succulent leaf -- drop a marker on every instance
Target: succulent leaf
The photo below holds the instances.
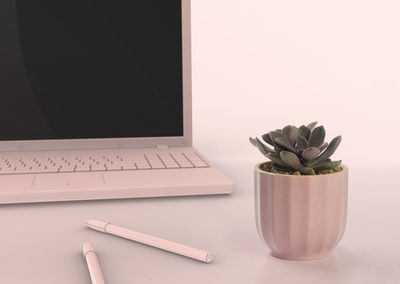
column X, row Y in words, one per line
column 328, row 165
column 267, row 138
column 304, row 131
column 310, row 153
column 290, row 132
column 322, row 163
column 275, row 134
column 291, row 160
column 317, row 136
column 262, row 147
column 323, row 146
column 282, row 168
column 312, row 125
column 307, row 171
column 274, row 159
column 301, row 143
column 285, row 143
column 328, row 152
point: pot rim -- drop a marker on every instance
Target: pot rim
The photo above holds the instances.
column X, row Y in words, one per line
column 257, row 169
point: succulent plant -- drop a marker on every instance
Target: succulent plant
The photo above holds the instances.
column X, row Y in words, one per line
column 299, row 150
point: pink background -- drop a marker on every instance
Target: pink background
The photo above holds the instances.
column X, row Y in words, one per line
column 259, row 65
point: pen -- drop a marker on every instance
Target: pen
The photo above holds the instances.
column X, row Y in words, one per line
column 173, row 247
column 93, row 264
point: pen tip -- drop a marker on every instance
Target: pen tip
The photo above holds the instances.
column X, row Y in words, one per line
column 96, row 225
column 86, row 247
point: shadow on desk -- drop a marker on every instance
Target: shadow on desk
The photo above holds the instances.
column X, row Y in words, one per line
column 346, row 265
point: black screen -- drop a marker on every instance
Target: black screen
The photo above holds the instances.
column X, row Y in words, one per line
column 90, row 69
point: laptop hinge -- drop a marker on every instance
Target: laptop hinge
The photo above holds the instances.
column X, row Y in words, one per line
column 162, row 147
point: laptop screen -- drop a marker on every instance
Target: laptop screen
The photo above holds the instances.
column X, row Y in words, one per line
column 74, row 69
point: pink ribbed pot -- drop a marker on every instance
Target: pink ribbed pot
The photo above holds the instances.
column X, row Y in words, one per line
column 301, row 217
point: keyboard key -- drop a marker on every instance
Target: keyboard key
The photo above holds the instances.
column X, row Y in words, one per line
column 112, row 167
column 172, row 166
column 200, row 164
column 129, row 167
column 167, row 158
column 8, row 171
column 21, row 171
column 82, row 168
column 157, row 166
column 98, row 168
column 143, row 166
column 186, row 165
column 66, row 169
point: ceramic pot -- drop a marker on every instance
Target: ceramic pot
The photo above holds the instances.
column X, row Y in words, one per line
column 301, row 217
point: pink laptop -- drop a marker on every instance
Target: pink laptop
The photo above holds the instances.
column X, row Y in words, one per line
column 95, row 102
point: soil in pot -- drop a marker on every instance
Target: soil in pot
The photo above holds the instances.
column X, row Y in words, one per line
column 267, row 167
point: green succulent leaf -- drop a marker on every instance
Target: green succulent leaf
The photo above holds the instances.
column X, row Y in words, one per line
column 275, row 134
column 275, row 159
column 282, row 168
column 291, row 160
column 262, row 147
column 312, row 125
column 323, row 146
column 307, row 171
column 322, row 163
column 267, row 138
column 290, row 132
column 317, row 136
column 278, row 153
column 328, row 165
column 284, row 142
column 310, row 153
column 304, row 131
column 270, row 154
column 328, row 152
column 253, row 141
column 301, row 143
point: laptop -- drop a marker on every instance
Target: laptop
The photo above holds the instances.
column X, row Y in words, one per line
column 95, row 102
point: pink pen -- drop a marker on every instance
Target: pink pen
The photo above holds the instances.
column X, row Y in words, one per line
column 151, row 241
column 92, row 263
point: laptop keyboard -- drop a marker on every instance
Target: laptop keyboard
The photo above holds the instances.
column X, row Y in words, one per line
column 96, row 162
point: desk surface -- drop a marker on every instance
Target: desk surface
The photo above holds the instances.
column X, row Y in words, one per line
column 41, row 243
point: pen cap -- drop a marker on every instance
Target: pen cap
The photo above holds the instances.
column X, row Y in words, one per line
column 97, row 225
column 86, row 248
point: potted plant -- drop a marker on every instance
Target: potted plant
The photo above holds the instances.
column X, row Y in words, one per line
column 301, row 194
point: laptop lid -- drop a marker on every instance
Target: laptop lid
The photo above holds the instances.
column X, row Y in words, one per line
column 78, row 74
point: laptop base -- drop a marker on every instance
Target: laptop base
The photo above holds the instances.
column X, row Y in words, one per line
column 46, row 187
